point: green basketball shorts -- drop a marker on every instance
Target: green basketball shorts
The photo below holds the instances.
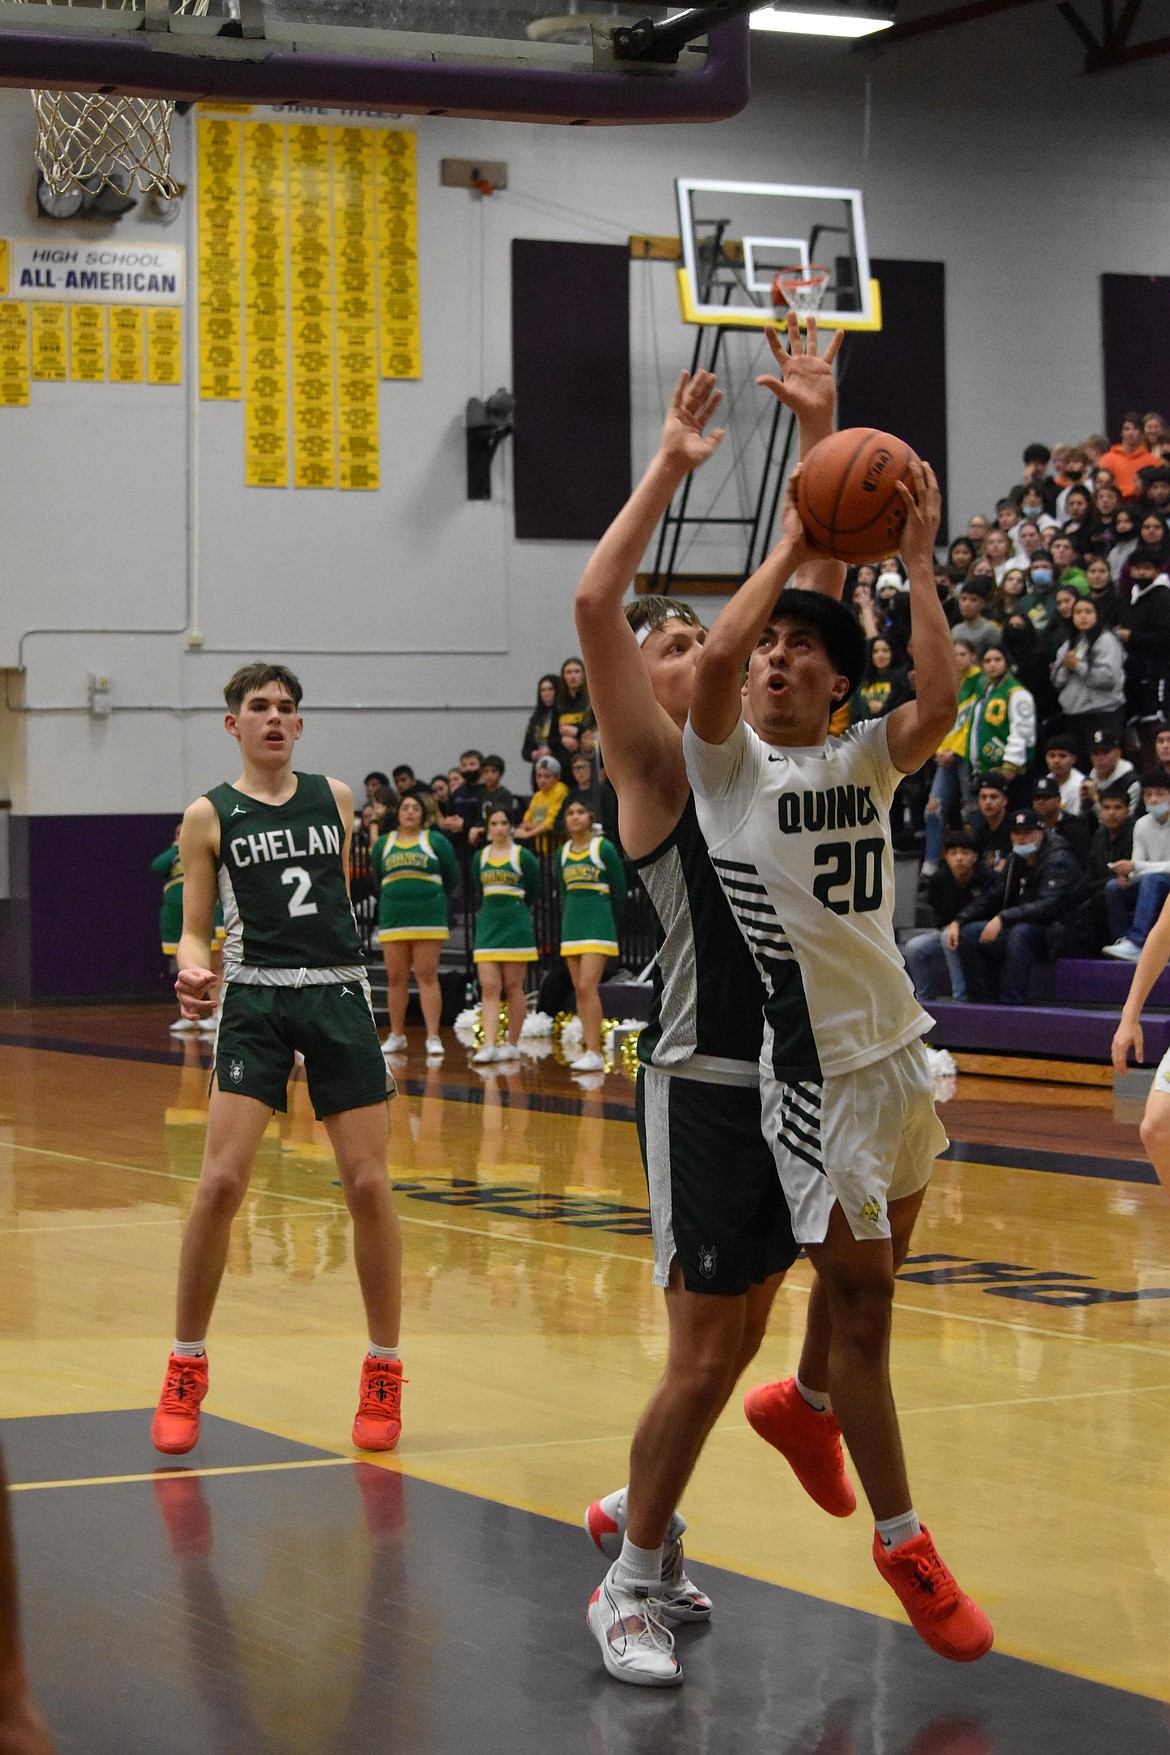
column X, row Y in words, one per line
column 260, row 1029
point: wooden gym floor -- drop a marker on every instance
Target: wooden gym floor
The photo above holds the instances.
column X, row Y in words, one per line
column 275, row 1595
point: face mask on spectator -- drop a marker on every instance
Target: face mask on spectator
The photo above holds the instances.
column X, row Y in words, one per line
column 1041, row 576
column 1027, row 848
column 1160, row 812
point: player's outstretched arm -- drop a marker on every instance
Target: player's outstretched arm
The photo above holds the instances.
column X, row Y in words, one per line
column 716, row 706
column 915, row 731
column 804, row 383
column 198, row 845
column 632, row 724
column 1154, row 957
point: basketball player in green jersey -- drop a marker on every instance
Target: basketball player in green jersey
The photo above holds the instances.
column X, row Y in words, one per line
column 275, row 846
column 722, row 1236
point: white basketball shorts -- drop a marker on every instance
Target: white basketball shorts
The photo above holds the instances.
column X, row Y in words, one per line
column 862, row 1139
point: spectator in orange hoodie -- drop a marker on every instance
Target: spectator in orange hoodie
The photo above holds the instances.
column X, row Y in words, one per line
column 1124, row 459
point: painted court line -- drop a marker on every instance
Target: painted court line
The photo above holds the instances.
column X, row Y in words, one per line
column 161, row 1474
column 505, row 1237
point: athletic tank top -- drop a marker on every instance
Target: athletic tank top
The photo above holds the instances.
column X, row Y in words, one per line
column 282, row 881
column 706, row 1020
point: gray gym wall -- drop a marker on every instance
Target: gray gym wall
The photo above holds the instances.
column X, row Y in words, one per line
column 987, row 150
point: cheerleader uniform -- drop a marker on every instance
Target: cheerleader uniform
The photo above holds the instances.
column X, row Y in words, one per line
column 506, row 887
column 593, row 889
column 414, row 879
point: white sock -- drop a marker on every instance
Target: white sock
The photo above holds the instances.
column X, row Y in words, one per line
column 896, row 1530
column 383, row 1352
column 188, row 1349
column 637, row 1567
column 816, row 1398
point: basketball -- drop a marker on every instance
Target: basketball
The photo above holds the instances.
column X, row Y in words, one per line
column 848, row 495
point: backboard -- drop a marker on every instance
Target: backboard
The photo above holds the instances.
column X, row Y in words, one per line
column 538, row 60
column 736, row 236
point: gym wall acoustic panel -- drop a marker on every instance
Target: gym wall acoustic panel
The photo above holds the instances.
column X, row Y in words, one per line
column 571, row 380
column 1135, row 318
column 896, row 379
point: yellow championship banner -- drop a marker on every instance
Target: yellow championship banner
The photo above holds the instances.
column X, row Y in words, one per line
column 3, row 268
column 220, row 342
column 355, row 281
column 310, row 261
column 87, row 344
column 50, row 345
column 14, row 373
column 396, row 200
column 127, row 344
column 164, row 344
column 265, row 306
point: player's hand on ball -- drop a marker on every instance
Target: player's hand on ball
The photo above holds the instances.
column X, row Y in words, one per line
column 805, row 383
column 196, row 991
column 684, row 439
column 1127, row 1036
column 923, row 500
column 792, row 531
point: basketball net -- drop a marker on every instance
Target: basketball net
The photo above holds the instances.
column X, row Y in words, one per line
column 801, row 290
column 88, row 141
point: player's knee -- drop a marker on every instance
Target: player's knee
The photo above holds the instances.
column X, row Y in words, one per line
column 364, row 1187
column 1155, row 1132
column 222, row 1187
column 862, row 1309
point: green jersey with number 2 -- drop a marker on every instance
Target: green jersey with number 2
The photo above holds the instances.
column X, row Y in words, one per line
column 282, row 880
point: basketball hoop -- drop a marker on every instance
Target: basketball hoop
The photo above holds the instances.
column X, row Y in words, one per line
column 88, row 141
column 801, row 290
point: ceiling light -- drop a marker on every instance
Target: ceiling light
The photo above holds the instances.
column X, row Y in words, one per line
column 819, row 24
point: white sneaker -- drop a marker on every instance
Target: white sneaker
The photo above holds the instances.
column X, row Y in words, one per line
column 184, row 1026
column 208, row 1026
column 508, row 1051
column 635, row 1644
column 484, row 1054
column 1124, row 950
column 590, row 1061
column 392, row 1044
column 435, row 1047
column 682, row 1601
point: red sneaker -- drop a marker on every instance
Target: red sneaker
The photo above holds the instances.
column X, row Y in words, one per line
column 810, row 1442
column 378, row 1425
column 175, row 1427
column 948, row 1621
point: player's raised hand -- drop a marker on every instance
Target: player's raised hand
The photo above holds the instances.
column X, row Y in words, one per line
column 196, row 991
column 923, row 500
column 1127, row 1036
column 684, row 437
column 805, row 382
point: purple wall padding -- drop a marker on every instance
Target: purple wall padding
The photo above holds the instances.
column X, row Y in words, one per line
column 281, row 75
column 93, row 904
column 571, row 379
column 1081, row 981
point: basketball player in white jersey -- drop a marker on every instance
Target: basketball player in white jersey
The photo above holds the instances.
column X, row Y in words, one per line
column 798, row 828
column 722, row 1237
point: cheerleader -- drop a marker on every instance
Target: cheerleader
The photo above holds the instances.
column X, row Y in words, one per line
column 414, row 869
column 593, row 889
column 507, row 883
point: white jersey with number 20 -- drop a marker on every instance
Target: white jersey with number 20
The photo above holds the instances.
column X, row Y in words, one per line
column 800, row 839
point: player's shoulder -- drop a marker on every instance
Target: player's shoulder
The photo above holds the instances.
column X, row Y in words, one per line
column 865, row 742
column 201, row 813
column 341, row 792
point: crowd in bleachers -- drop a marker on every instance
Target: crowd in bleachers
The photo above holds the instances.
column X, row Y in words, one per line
column 1044, row 819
